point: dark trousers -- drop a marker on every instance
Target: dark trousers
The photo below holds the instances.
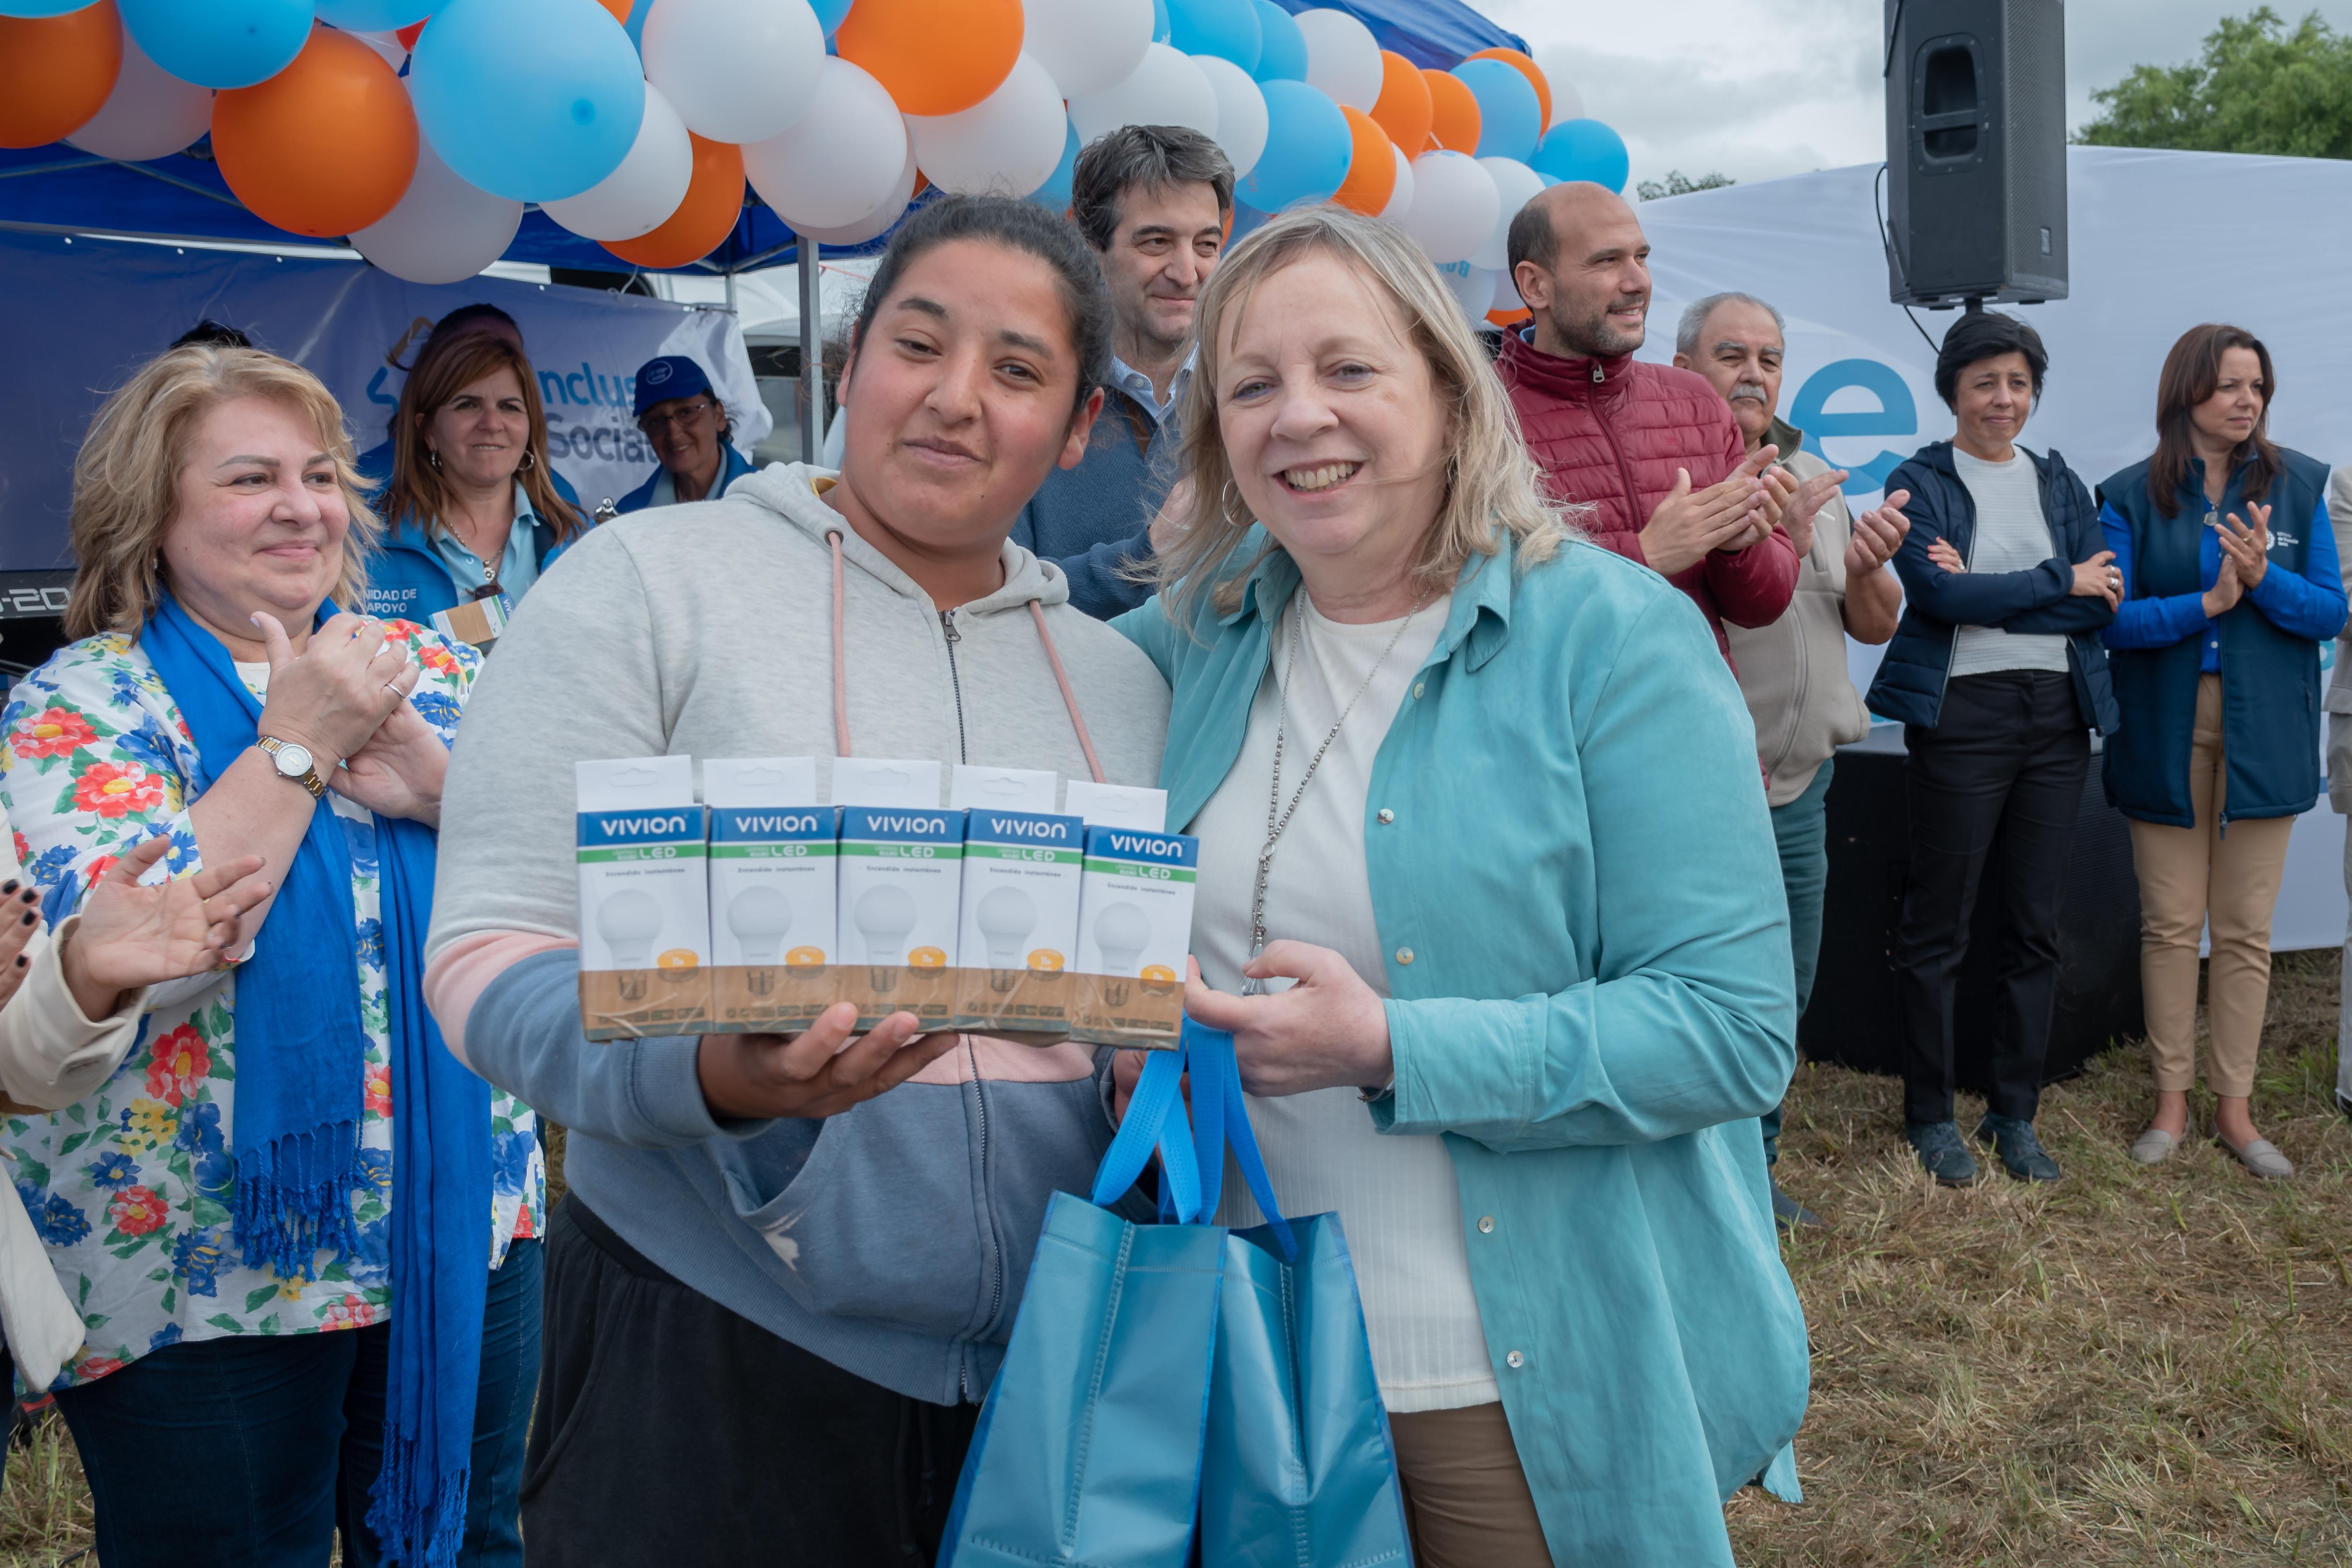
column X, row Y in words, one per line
column 1998, row 780
column 671, row 1431
column 258, row 1450
column 1800, row 830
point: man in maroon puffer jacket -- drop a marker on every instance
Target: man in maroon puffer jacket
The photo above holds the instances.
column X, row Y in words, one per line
column 1654, row 449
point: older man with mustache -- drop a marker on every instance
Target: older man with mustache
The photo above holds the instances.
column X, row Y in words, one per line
column 1793, row 671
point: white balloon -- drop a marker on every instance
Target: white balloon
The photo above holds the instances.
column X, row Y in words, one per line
column 442, row 230
column 1167, row 89
column 1473, row 288
column 150, row 113
column 838, row 164
column 738, row 71
column 875, row 224
column 1454, row 204
column 1567, row 103
column 1240, row 112
column 1516, row 185
column 639, row 196
column 1401, row 198
column 1342, row 58
column 1007, row 143
column 1087, row 45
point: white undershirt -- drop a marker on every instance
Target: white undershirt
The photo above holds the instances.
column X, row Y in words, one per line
column 1397, row 1197
column 2011, row 536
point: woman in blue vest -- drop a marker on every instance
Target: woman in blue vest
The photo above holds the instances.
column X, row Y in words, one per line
column 2225, row 542
column 687, row 427
column 472, row 511
column 1997, row 675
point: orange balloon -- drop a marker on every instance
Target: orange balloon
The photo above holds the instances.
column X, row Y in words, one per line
column 933, row 56
column 1404, row 108
column 325, row 147
column 1454, row 119
column 1528, row 69
column 714, row 199
column 56, row 71
column 1371, row 175
column 1509, row 317
column 620, row 9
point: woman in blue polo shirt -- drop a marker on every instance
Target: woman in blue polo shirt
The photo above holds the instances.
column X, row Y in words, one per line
column 2235, row 584
column 472, row 510
column 687, row 428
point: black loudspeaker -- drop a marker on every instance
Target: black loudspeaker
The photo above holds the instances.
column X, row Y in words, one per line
column 1853, row 1018
column 1976, row 150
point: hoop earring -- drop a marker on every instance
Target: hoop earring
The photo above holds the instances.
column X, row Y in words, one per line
column 434, row 459
column 1226, row 508
column 530, row 461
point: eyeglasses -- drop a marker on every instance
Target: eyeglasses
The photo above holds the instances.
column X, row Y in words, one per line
column 687, row 418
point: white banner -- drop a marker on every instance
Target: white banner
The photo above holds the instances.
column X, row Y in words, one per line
column 1860, row 378
column 84, row 313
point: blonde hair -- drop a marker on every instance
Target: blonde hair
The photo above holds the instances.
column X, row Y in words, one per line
column 1493, row 487
column 450, row 362
column 126, row 490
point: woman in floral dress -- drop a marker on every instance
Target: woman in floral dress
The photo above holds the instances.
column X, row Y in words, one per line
column 286, row 1143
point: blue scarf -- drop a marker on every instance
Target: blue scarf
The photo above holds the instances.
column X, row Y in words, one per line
column 300, row 1047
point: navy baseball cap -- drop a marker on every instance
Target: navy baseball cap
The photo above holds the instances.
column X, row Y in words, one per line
column 672, row 375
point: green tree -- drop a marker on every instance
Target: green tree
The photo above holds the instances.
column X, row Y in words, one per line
column 2256, row 88
column 1677, row 183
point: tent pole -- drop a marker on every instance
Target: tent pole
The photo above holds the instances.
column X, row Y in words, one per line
column 812, row 398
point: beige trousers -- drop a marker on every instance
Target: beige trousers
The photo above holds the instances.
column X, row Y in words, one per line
column 2189, row 877
column 1465, row 1499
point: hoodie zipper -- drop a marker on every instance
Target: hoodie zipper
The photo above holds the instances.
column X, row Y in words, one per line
column 955, row 680
column 979, row 1090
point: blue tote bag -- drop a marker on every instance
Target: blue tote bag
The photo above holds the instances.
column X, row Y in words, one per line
column 1164, row 1377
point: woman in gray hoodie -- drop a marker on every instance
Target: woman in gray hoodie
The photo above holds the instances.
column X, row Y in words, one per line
column 788, row 1267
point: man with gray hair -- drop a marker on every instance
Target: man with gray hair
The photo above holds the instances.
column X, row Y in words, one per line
column 1154, row 202
column 1793, row 671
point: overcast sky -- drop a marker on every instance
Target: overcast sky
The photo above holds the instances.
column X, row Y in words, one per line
column 1756, row 89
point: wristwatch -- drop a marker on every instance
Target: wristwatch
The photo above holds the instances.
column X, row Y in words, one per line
column 293, row 761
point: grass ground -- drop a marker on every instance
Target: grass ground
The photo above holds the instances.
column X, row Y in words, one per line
column 2133, row 1367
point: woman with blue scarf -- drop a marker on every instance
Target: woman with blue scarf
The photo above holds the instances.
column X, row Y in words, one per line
column 299, row 1232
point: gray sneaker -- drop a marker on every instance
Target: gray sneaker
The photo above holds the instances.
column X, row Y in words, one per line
column 1941, row 1152
column 2020, row 1151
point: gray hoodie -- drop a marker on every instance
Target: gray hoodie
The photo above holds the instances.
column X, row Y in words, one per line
column 894, row 1239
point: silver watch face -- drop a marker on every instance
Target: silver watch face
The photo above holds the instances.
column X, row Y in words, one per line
column 293, row 760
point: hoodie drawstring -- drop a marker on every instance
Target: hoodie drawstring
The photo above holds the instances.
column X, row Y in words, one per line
column 841, row 670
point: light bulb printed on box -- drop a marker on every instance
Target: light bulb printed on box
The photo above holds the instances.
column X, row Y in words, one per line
column 901, row 880
column 1135, row 927
column 1020, row 935
column 772, row 891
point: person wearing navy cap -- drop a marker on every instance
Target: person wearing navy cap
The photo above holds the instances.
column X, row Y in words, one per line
column 687, row 428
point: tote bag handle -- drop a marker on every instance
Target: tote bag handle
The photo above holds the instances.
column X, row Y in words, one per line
column 1192, row 1154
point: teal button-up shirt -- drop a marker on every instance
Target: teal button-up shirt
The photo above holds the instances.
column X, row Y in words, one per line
column 1574, row 878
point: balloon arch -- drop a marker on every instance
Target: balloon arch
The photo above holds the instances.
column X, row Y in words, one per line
column 420, row 129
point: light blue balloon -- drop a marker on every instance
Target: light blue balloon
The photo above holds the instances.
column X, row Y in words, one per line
column 1583, row 150
column 1510, row 116
column 1228, row 29
column 1054, row 196
column 1282, row 50
column 530, row 99
column 830, row 14
column 1308, row 149
column 1159, row 21
column 219, row 43
column 43, row 8
column 373, row 16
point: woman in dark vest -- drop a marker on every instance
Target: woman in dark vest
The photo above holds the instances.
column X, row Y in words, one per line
column 2223, row 538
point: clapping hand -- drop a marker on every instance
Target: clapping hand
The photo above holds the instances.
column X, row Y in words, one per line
column 133, row 936
column 2228, row 588
column 400, row 770
column 1804, row 503
column 1877, row 534
column 2248, row 548
column 1687, row 525
column 20, row 917
column 337, row 691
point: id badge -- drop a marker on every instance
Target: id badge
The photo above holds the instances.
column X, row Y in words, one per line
column 477, row 621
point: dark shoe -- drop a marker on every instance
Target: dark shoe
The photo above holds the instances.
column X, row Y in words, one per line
column 1790, row 1214
column 1941, row 1152
column 2021, row 1152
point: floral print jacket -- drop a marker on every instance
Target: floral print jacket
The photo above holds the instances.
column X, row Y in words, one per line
column 132, row 1189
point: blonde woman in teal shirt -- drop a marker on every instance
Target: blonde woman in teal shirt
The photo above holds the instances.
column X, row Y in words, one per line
column 1520, row 956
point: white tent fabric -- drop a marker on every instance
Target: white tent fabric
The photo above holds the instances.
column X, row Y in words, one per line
column 2160, row 242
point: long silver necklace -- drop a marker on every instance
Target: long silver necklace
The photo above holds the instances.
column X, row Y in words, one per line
column 1277, row 815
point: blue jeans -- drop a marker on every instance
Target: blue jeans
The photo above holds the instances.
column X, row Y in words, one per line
column 258, row 1450
column 1802, row 829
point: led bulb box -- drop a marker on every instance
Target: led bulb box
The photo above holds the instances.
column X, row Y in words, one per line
column 645, row 899
column 774, row 929
column 1135, row 929
column 1019, row 935
column 901, row 879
